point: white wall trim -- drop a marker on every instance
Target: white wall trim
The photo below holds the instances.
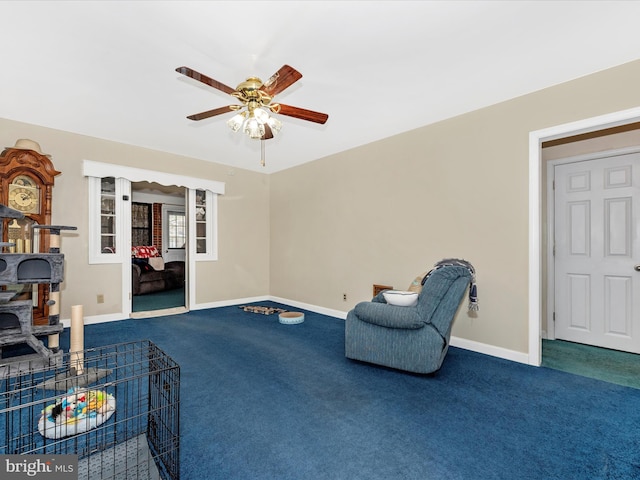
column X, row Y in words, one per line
column 228, row 303
column 465, row 344
column 269, row 298
column 536, row 138
column 455, row 341
column 91, row 168
column 491, row 350
column 312, row 308
column 550, row 332
column 110, row 317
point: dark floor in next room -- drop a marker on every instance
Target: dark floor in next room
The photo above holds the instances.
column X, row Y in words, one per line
column 613, row 366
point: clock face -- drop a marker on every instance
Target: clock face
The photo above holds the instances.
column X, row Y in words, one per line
column 24, row 195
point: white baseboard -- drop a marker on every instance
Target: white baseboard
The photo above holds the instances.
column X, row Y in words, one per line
column 471, row 345
column 312, row 308
column 111, row 317
column 115, row 317
column 489, row 350
column 478, row 347
column 228, row 303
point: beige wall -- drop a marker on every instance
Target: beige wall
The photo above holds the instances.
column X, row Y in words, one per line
column 243, row 224
column 387, row 211
column 381, row 213
column 242, row 269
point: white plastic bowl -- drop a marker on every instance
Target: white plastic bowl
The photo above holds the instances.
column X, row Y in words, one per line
column 401, row 298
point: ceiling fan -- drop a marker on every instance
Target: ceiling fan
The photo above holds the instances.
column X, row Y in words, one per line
column 253, row 116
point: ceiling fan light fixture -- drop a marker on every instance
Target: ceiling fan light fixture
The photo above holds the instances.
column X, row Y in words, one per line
column 275, row 125
column 253, row 128
column 236, row 121
column 261, row 115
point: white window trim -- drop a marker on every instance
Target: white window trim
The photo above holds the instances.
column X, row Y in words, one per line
column 131, row 174
column 167, row 209
column 124, row 176
column 122, row 221
column 211, row 227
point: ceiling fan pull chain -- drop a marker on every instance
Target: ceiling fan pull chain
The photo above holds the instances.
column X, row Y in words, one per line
column 262, row 162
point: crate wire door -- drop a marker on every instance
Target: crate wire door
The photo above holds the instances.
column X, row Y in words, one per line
column 140, row 440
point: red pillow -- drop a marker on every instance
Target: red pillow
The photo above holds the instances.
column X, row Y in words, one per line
column 144, row 251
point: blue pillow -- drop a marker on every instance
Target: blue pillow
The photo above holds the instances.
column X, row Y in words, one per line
column 143, row 264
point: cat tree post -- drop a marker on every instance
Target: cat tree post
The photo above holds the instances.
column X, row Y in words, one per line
column 76, row 345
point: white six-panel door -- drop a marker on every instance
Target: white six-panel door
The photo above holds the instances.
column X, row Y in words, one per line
column 597, row 248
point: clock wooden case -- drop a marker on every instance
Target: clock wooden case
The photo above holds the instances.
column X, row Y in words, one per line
column 26, row 183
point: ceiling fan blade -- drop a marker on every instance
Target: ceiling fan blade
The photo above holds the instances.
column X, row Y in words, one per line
column 212, row 113
column 302, row 113
column 283, row 78
column 268, row 133
column 204, row 79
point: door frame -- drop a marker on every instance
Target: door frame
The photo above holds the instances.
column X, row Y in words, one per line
column 536, row 244
column 550, row 220
column 128, row 175
column 153, row 199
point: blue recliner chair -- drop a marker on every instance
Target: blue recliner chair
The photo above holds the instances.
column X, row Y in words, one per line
column 415, row 339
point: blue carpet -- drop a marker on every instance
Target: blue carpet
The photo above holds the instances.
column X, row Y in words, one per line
column 262, row 400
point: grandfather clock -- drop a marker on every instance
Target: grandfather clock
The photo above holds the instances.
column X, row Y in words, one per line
column 26, row 183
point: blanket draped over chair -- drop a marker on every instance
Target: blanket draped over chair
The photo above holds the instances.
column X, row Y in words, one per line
column 414, row 339
column 473, row 289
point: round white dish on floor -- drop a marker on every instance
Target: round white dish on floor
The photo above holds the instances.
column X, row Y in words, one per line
column 291, row 318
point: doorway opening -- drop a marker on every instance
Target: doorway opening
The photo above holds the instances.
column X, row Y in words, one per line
column 158, row 240
column 593, row 286
column 539, row 247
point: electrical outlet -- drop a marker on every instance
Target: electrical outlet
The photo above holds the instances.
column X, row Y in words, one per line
column 344, row 297
column 100, row 298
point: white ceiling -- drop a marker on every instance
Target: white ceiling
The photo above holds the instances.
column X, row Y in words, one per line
column 378, row 68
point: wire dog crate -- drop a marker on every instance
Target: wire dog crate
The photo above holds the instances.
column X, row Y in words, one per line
column 134, row 387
